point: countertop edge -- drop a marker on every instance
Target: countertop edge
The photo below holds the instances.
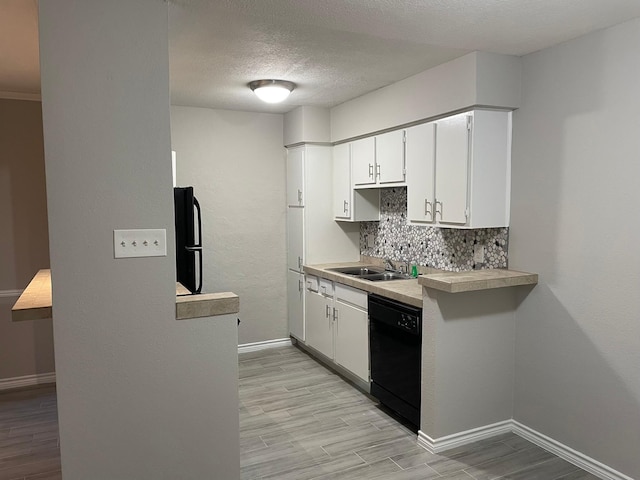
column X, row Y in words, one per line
column 206, row 305
column 459, row 282
column 35, row 302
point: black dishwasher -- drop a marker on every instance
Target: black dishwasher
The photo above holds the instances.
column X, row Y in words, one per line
column 395, row 342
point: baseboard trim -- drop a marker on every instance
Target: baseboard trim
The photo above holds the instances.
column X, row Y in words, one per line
column 252, row 347
column 581, row 460
column 10, row 293
column 436, row 445
column 567, row 453
column 27, row 381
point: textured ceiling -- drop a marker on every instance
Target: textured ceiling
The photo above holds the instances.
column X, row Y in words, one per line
column 334, row 50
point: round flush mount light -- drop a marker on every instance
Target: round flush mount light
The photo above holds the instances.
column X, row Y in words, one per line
column 272, row 91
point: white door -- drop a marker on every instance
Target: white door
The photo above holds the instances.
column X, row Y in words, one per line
column 352, row 339
column 295, row 304
column 363, row 161
column 319, row 323
column 390, row 157
column 295, row 176
column 342, row 181
column 420, row 160
column 295, row 238
column 452, row 169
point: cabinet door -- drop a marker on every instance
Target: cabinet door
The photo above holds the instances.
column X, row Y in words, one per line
column 295, row 176
column 452, row 169
column 295, row 238
column 420, row 160
column 352, row 339
column 295, row 304
column 363, row 160
column 390, row 157
column 342, row 187
column 319, row 323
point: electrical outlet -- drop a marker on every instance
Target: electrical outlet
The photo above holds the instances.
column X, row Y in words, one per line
column 370, row 242
column 478, row 253
column 140, row 243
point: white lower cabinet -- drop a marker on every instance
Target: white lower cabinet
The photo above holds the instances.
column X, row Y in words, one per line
column 337, row 325
column 295, row 304
column 351, row 330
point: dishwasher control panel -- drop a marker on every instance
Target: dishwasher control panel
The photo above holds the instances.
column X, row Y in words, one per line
column 408, row 323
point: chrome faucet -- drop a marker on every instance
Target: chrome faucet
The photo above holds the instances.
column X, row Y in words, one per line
column 388, row 265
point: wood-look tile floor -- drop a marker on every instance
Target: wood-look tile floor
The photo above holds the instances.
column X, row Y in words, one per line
column 29, row 447
column 300, row 421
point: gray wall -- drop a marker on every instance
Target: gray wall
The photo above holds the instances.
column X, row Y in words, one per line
column 136, row 389
column 575, row 221
column 236, row 164
column 26, row 348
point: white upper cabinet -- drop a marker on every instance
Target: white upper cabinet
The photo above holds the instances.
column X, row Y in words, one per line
column 390, row 157
column 342, row 188
column 295, row 177
column 379, row 160
column 351, row 205
column 458, row 171
column 363, row 157
column 452, row 164
column 420, row 159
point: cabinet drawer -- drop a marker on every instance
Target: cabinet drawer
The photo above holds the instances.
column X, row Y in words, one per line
column 311, row 283
column 351, row 296
column 326, row 287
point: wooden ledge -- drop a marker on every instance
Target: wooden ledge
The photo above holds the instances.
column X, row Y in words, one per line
column 457, row 282
column 206, row 305
column 35, row 302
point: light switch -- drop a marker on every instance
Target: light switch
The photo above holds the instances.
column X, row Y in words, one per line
column 140, row 243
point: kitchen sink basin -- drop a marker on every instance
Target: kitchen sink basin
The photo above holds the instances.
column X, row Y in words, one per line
column 358, row 271
column 386, row 276
column 373, row 274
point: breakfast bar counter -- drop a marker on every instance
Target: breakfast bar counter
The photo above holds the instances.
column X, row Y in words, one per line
column 35, row 302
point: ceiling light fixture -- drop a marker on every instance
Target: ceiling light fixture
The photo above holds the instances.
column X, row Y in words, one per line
column 272, row 91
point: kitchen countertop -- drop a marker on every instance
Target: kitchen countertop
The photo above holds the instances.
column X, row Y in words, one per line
column 406, row 291
column 457, row 282
column 410, row 291
column 35, row 302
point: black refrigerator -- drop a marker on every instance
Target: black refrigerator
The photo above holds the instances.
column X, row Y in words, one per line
column 188, row 239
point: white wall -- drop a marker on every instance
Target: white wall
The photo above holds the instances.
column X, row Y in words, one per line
column 137, row 390
column 575, row 198
column 236, row 164
column 26, row 348
column 478, row 78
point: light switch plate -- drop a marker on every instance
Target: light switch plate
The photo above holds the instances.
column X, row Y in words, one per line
column 478, row 253
column 140, row 243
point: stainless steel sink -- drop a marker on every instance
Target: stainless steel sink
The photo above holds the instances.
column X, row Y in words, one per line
column 386, row 276
column 358, row 271
column 371, row 273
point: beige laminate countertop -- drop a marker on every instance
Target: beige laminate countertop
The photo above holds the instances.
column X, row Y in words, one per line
column 35, row 302
column 410, row 291
column 407, row 291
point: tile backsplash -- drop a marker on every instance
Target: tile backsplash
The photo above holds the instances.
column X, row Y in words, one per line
column 442, row 248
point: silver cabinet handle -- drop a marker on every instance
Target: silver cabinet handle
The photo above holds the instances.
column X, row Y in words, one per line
column 327, row 311
column 335, row 314
column 371, row 170
column 300, row 196
column 299, row 263
column 346, row 206
column 378, row 170
column 435, row 204
column 300, row 285
column 427, row 206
